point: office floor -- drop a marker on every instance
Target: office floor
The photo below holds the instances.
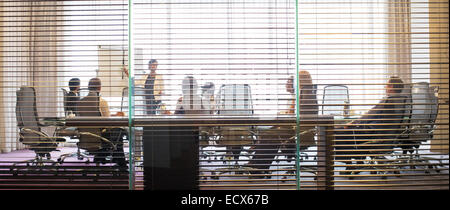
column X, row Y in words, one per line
column 78, row 174
column 420, row 177
column 72, row 174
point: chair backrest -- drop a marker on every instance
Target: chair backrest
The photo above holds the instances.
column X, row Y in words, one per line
column 26, row 115
column 424, row 111
column 27, row 119
column 192, row 102
column 235, row 99
column 334, row 99
column 424, row 103
column 399, row 113
column 434, row 103
column 89, row 107
column 65, row 93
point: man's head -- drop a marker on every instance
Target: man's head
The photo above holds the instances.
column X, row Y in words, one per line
column 152, row 65
column 394, row 85
column 74, row 84
column 95, row 84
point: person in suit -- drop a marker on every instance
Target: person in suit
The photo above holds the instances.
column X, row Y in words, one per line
column 271, row 140
column 383, row 118
column 73, row 96
column 94, row 105
column 93, row 99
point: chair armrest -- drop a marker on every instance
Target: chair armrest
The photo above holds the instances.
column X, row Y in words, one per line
column 51, row 121
column 35, row 132
column 100, row 137
column 56, row 139
column 312, row 130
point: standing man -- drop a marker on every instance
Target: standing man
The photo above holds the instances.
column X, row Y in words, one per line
column 153, row 88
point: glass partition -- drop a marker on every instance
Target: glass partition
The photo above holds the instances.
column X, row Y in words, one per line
column 224, row 94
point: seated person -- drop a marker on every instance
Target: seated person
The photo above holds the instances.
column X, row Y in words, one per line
column 190, row 102
column 73, row 96
column 270, row 140
column 382, row 118
column 290, row 102
column 208, row 97
column 101, row 108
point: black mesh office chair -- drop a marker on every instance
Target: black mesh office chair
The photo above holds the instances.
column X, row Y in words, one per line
column 30, row 132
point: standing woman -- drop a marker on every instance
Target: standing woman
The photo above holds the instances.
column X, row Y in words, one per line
column 153, row 88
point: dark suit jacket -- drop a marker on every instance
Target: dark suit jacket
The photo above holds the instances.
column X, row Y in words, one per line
column 71, row 101
column 388, row 112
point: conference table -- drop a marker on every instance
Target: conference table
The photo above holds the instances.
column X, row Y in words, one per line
column 170, row 143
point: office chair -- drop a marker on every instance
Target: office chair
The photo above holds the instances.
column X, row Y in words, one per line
column 93, row 140
column 280, row 141
column 71, row 132
column 424, row 111
column 30, row 129
column 235, row 100
column 335, row 100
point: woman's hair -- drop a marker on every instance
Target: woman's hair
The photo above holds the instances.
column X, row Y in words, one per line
column 308, row 98
column 304, row 78
column 151, row 61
